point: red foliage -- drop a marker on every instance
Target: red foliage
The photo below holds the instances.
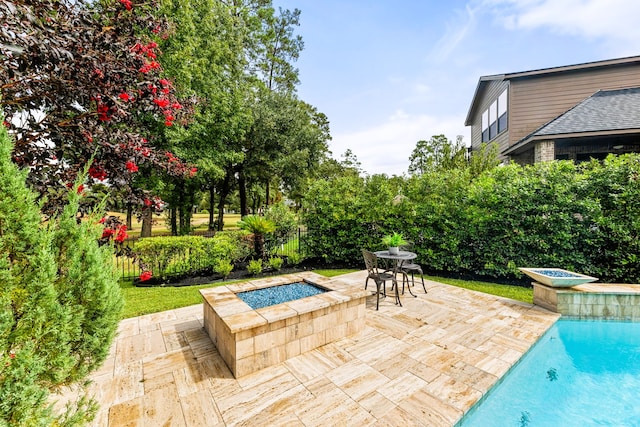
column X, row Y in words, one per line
column 124, row 96
column 95, row 69
column 122, row 234
column 97, row 172
column 131, row 167
column 127, row 4
column 146, row 275
column 107, row 233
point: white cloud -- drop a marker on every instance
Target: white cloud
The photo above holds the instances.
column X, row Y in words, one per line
column 456, row 31
column 386, row 147
column 612, row 21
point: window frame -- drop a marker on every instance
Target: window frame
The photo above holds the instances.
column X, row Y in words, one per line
column 494, row 119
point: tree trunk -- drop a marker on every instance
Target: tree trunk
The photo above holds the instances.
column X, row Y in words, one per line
column 258, row 245
column 173, row 220
column 224, row 192
column 185, row 218
column 147, row 217
column 242, row 190
column 212, row 193
column 129, row 216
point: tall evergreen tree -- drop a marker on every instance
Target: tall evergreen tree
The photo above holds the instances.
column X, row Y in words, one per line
column 59, row 301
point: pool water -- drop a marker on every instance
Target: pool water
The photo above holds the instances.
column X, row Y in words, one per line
column 580, row 373
column 273, row 295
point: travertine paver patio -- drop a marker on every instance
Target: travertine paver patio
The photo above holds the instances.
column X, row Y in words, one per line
column 425, row 363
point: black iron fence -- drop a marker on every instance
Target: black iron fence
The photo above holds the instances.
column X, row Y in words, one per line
column 292, row 248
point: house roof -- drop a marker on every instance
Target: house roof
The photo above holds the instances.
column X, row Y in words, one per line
column 484, row 80
column 606, row 112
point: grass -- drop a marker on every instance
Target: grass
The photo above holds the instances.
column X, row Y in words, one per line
column 518, row 293
column 139, row 301
column 160, row 227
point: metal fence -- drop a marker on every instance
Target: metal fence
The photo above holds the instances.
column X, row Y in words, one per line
column 290, row 247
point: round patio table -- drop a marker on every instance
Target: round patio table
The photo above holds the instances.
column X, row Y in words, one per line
column 398, row 259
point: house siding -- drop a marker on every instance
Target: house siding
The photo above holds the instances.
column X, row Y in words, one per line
column 534, row 101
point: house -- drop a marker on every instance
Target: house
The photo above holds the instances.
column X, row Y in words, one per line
column 573, row 112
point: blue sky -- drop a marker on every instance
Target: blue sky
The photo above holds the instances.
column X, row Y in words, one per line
column 390, row 73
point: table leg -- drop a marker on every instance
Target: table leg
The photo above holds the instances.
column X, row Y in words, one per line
column 395, row 283
column 406, row 276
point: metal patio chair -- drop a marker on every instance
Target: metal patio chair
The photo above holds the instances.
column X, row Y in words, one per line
column 379, row 277
column 411, row 268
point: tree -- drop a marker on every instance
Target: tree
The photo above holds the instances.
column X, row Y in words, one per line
column 277, row 49
column 206, row 57
column 273, row 101
column 485, row 158
column 250, row 132
column 60, row 302
column 285, row 143
column 81, row 80
column 437, row 153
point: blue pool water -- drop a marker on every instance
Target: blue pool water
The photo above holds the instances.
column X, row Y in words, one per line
column 266, row 297
column 580, row 373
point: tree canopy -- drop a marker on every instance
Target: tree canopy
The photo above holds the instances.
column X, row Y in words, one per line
column 168, row 98
column 83, row 80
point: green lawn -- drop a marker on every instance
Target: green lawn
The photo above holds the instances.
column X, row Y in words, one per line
column 139, row 301
column 199, row 222
column 514, row 292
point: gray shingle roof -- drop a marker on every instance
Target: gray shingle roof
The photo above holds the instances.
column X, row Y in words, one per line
column 605, row 110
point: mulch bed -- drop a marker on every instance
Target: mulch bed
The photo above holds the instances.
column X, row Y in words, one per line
column 240, row 272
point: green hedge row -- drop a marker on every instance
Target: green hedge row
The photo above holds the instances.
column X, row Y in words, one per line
column 584, row 218
column 181, row 255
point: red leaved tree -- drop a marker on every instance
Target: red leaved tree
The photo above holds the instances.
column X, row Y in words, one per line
column 83, row 80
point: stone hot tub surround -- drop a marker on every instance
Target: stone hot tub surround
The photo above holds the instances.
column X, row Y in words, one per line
column 607, row 301
column 249, row 340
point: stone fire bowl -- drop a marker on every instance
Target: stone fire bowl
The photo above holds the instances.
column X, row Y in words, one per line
column 557, row 277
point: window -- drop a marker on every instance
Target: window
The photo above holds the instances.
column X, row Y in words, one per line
column 485, row 126
column 502, row 111
column 494, row 118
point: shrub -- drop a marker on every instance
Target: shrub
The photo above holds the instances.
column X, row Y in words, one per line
column 229, row 245
column 294, row 258
column 255, row 266
column 60, row 302
column 489, row 221
column 285, row 225
column 170, row 255
column 223, row 267
column 180, row 255
column 275, row 263
column 350, row 213
column 258, row 226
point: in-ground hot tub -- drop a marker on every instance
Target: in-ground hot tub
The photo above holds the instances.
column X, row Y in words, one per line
column 249, row 340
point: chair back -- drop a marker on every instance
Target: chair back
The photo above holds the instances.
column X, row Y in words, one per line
column 407, row 247
column 371, row 262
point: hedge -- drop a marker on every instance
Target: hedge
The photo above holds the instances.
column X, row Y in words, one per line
column 184, row 255
column 583, row 217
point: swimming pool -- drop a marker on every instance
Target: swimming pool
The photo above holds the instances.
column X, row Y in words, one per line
column 580, row 373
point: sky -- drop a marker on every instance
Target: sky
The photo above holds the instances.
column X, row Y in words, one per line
column 389, row 73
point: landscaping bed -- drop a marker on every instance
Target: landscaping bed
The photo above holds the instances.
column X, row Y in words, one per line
column 239, row 272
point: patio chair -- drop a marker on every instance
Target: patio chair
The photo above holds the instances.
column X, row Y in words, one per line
column 379, row 277
column 411, row 268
